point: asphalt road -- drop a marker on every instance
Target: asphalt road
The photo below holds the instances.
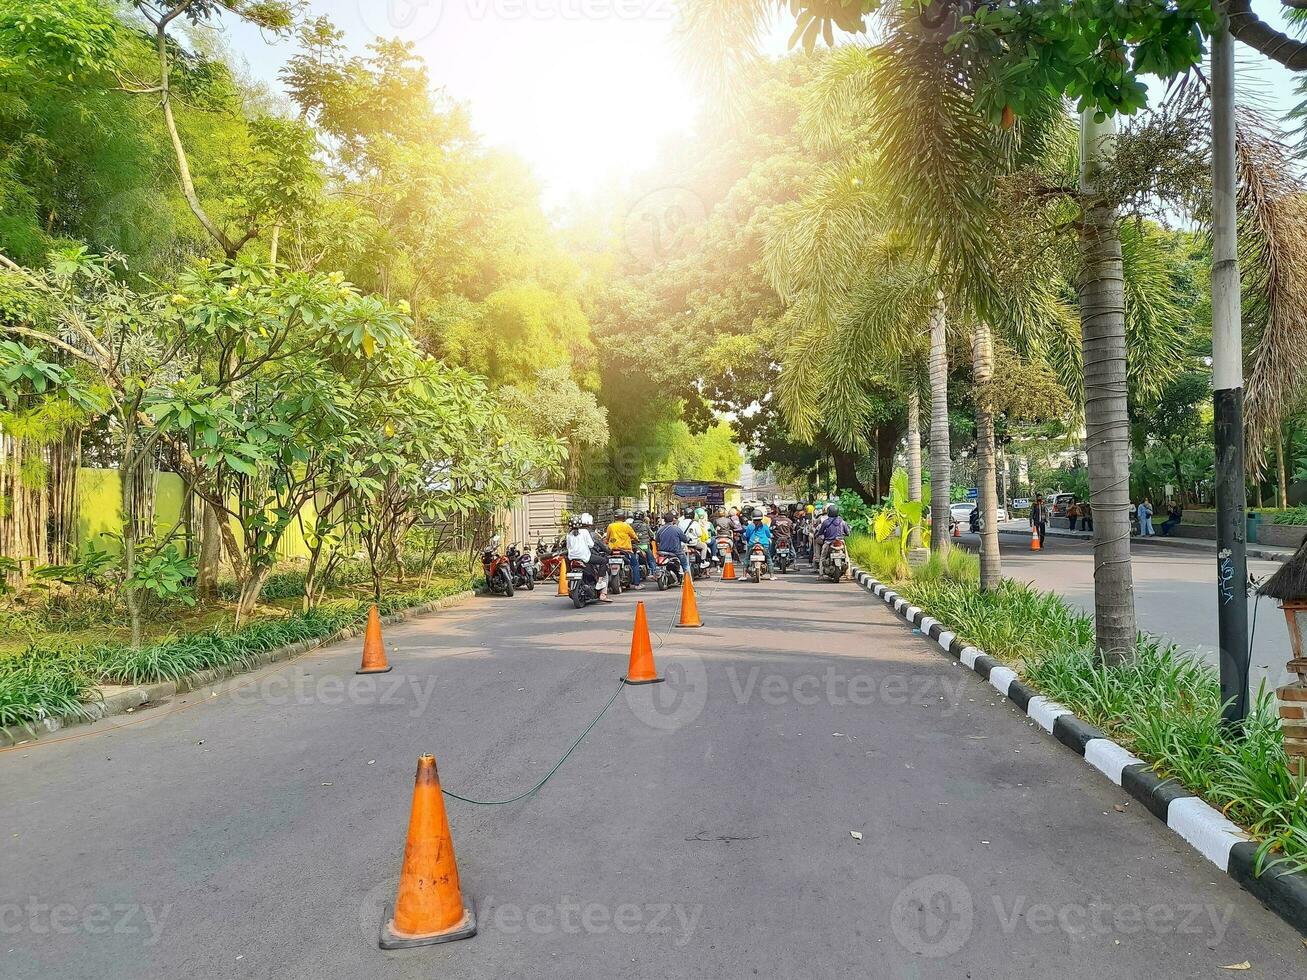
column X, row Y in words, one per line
column 702, row 829
column 1175, row 595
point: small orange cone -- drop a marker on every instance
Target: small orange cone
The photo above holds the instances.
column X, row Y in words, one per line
column 562, row 579
column 641, row 668
column 957, row 530
column 374, row 651
column 689, row 607
column 728, row 569
column 429, row 905
column 1034, row 539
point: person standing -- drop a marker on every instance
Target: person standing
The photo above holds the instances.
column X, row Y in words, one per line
column 1039, row 519
column 1146, row 518
column 1073, row 513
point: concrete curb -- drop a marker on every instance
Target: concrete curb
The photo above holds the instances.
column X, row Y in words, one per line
column 1201, row 825
column 1185, row 544
column 129, row 699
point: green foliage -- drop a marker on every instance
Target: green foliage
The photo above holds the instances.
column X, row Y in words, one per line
column 900, row 516
column 1296, row 516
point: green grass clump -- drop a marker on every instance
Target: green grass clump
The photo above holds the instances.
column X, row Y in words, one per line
column 1294, row 515
column 884, row 561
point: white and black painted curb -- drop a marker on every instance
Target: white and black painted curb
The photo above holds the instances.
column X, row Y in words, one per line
column 129, row 699
column 1204, row 827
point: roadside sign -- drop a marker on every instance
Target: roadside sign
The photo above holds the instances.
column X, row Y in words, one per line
column 1021, row 503
column 973, row 493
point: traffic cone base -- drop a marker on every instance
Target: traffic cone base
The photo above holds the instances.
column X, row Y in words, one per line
column 641, row 668
column 1034, row 541
column 689, row 607
column 390, row 939
column 374, row 650
column 429, row 906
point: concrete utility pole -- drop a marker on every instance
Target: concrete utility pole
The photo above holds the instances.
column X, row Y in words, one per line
column 1227, row 384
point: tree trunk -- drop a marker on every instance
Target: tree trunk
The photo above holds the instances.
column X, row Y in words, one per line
column 846, row 472
column 210, row 560
column 65, row 459
column 1283, row 472
column 914, row 456
column 1107, row 425
column 991, row 563
column 941, row 464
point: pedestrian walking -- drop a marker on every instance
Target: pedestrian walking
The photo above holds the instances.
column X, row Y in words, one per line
column 1073, row 514
column 1146, row 519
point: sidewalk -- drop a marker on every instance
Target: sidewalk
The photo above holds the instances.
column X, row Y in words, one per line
column 1263, row 552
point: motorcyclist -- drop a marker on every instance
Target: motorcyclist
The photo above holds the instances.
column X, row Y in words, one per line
column 701, row 534
column 581, row 546
column 782, row 532
column 687, row 518
column 833, row 528
column 758, row 533
column 622, row 539
column 597, row 565
column 672, row 540
column 644, row 534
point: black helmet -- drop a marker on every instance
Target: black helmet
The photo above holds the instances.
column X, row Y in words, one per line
column 832, row 510
column 757, row 516
column 574, row 523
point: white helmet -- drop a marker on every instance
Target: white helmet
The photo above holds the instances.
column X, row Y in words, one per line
column 587, row 520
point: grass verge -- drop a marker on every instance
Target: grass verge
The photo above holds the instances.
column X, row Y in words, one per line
column 1165, row 706
column 46, row 682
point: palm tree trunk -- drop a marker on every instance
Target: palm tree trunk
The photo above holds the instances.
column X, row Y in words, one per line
column 914, row 456
column 991, row 563
column 941, row 467
column 1283, row 471
column 1107, row 426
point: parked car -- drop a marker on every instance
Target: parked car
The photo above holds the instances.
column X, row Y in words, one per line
column 962, row 513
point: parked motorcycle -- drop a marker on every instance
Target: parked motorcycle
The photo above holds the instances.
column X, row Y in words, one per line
column 785, row 559
column 523, row 568
column 758, row 563
column 836, row 563
column 550, row 560
column 497, row 569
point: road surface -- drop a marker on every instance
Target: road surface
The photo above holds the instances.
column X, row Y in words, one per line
column 1175, row 595
column 704, row 828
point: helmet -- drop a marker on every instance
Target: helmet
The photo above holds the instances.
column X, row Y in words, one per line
column 574, row 523
column 587, row 520
column 687, row 512
column 619, row 515
column 757, row 517
column 811, row 509
column 700, row 514
column 832, row 510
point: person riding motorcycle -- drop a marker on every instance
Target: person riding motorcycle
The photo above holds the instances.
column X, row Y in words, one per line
column 701, row 535
column 581, row 546
column 622, row 539
column 833, row 528
column 759, row 533
column 672, row 541
column 644, row 534
column 597, row 566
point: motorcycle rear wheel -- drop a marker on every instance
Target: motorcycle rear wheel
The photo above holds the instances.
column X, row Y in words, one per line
column 508, row 583
column 530, row 583
column 578, row 598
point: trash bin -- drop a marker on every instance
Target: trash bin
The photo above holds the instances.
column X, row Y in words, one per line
column 1254, row 520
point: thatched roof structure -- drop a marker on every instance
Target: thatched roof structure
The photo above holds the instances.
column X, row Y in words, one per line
column 1290, row 582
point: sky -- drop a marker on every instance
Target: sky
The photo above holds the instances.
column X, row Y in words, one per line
column 585, row 90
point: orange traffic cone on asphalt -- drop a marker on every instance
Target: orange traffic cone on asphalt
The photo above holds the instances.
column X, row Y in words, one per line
column 429, row 905
column 1034, row 539
column 562, row 579
column 641, row 668
column 689, row 607
column 728, row 568
column 374, row 651
column 957, row 530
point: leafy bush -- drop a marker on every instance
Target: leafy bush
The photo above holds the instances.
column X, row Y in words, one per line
column 885, row 561
column 855, row 511
column 1294, row 515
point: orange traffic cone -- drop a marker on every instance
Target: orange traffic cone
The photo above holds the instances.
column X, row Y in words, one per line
column 957, row 530
column 728, row 569
column 641, row 668
column 429, row 905
column 562, row 579
column 689, row 607
column 1034, row 539
column 374, row 651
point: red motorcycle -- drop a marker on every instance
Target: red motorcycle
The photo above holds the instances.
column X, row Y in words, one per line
column 550, row 561
column 498, row 569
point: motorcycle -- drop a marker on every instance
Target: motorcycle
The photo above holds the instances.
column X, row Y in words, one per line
column 550, row 560
column 836, row 563
column 758, row 562
column 616, row 567
column 497, row 569
column 581, row 588
column 785, row 559
column 523, row 567
column 670, row 572
column 699, row 566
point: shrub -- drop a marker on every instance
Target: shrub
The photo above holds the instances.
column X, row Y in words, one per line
column 1294, row 515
